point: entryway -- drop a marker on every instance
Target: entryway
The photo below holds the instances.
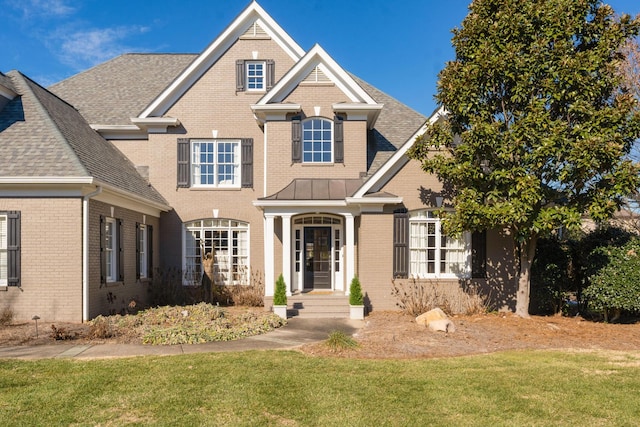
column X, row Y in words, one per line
column 317, row 258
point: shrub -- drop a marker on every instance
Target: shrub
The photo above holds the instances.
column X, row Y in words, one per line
column 100, row 328
column 355, row 292
column 280, row 293
column 6, row 316
column 550, row 279
column 417, row 297
column 616, row 286
column 251, row 295
column 338, row 340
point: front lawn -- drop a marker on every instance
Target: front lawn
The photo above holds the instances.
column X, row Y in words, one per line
column 289, row 388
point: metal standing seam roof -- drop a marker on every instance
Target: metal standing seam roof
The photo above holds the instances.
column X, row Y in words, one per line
column 42, row 135
column 317, row 189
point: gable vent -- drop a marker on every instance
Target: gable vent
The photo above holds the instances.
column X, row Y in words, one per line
column 255, row 31
column 317, row 76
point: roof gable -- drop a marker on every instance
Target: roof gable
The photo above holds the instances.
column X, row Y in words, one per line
column 317, row 66
column 254, row 21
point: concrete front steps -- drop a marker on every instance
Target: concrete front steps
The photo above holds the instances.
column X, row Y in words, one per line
column 318, row 305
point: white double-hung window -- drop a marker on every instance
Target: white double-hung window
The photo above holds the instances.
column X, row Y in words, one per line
column 215, row 163
column 434, row 254
column 255, row 75
column 111, row 249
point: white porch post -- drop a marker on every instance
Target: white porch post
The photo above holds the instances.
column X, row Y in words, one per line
column 269, row 282
column 286, row 252
column 351, row 252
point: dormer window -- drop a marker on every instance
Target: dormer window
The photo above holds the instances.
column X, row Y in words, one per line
column 254, row 75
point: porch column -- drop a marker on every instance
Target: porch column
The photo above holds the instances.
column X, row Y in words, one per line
column 350, row 263
column 269, row 260
column 286, row 252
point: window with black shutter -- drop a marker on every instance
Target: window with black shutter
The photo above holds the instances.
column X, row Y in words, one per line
column 401, row 243
column 10, row 250
column 338, row 140
column 479, row 255
column 247, row 162
column 296, row 140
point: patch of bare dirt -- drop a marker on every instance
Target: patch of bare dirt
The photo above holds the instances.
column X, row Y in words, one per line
column 396, row 335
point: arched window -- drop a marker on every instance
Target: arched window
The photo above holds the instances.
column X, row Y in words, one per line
column 317, row 141
column 228, row 239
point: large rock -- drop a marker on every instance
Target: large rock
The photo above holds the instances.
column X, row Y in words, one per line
column 435, row 314
column 442, row 325
column 436, row 320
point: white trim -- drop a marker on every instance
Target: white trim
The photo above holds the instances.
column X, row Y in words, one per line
column 320, row 204
column 155, row 124
column 120, row 131
column 357, row 111
column 85, row 252
column 7, row 93
column 273, row 112
column 45, row 180
column 253, row 13
column 269, row 256
column 264, row 163
column 397, row 161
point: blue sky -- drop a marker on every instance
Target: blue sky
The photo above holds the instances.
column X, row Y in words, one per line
column 399, row 47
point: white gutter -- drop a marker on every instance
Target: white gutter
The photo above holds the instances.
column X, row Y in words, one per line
column 85, row 252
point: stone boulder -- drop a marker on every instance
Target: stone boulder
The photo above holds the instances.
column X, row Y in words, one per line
column 436, row 320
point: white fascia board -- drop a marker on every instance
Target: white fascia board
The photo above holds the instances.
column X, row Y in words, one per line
column 216, row 49
column 398, row 159
column 299, row 203
column 271, row 112
column 127, row 200
column 373, row 204
column 45, row 180
column 155, row 124
column 7, row 93
column 358, row 111
column 120, row 131
column 317, row 56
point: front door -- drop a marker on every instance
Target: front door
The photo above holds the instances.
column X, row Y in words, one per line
column 317, row 258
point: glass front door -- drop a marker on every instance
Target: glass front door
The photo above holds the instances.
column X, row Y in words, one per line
column 317, row 258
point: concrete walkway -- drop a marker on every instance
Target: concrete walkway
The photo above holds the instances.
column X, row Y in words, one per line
column 295, row 333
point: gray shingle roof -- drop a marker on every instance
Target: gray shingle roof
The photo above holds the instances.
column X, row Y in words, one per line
column 6, row 82
column 41, row 135
column 113, row 92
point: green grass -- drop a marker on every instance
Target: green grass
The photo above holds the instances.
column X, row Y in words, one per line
column 289, row 388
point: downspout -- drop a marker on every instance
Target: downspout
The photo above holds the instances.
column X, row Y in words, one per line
column 85, row 252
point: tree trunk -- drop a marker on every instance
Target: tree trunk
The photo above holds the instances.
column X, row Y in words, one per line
column 527, row 253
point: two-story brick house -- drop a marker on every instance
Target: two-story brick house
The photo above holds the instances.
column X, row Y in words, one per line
column 285, row 163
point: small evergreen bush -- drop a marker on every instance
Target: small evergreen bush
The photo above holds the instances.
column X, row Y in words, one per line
column 616, row 286
column 280, row 293
column 355, row 292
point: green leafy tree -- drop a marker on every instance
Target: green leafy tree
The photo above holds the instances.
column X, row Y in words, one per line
column 539, row 123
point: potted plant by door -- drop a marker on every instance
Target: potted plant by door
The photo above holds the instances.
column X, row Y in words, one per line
column 280, row 298
column 356, row 301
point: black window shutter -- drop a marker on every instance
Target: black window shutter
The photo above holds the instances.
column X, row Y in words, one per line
column 138, row 232
column 296, row 140
column 270, row 73
column 338, row 140
column 240, row 75
column 120, row 251
column 184, row 154
column 247, row 162
column 103, row 254
column 479, row 254
column 149, row 251
column 401, row 244
column 13, row 248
